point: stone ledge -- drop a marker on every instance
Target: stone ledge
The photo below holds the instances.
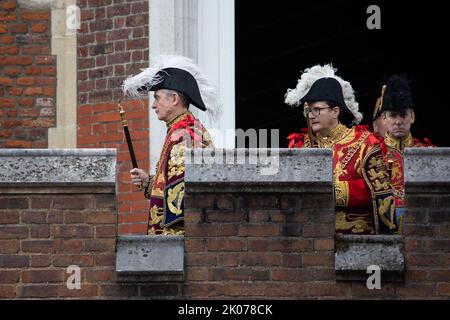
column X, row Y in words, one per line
column 259, row 170
column 150, row 258
column 354, row 253
column 57, row 167
column 427, row 170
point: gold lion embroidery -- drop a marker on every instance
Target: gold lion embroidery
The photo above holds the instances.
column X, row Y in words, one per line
column 357, row 225
column 175, row 199
column 386, row 209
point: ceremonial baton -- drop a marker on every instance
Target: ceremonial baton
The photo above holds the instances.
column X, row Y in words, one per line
column 128, row 137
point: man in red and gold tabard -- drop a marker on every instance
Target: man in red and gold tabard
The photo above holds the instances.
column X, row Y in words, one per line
column 176, row 82
column 363, row 192
column 397, row 112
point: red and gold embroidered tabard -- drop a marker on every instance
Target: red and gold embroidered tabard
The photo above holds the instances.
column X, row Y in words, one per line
column 363, row 191
column 394, row 162
column 166, row 189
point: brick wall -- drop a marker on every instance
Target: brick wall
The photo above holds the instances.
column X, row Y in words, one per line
column 249, row 246
column 27, row 77
column 111, row 45
column 272, row 240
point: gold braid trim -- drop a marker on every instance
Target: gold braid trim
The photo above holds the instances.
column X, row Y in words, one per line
column 341, row 192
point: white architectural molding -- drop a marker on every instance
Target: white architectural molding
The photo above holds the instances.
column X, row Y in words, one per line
column 202, row 30
column 64, row 45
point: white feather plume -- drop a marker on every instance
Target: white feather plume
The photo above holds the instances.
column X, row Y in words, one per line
column 310, row 75
column 208, row 91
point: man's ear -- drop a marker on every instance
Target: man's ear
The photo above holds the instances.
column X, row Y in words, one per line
column 383, row 116
column 413, row 116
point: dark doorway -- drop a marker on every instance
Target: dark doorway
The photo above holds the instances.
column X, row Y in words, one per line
column 276, row 40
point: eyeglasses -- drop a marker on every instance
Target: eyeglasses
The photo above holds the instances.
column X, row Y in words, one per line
column 315, row 111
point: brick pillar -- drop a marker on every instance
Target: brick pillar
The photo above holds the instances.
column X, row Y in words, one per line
column 27, row 77
column 112, row 45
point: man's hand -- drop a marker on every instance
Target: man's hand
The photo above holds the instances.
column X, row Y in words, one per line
column 138, row 176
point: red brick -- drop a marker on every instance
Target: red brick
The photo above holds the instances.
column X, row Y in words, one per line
column 291, row 260
column 65, row 260
column 229, row 274
column 77, row 202
column 259, row 245
column 244, row 289
column 9, row 217
column 13, row 261
column 318, row 230
column 39, row 27
column 324, row 244
column 17, row 144
column 33, row 91
column 9, row 246
column 330, row 289
column 5, row 133
column 258, row 230
column 318, row 260
column 63, row 231
column 207, row 230
column 291, row 245
column 105, row 260
column 100, row 218
column 40, row 202
column 423, row 260
column 9, row 5
column 228, row 259
column 25, row 81
column 72, row 217
column 9, row 276
column 416, row 290
column 39, row 231
column 118, row 290
column 6, row 81
column 49, row 91
column 41, row 246
column 7, row 102
column 44, row 59
column 291, row 275
column 34, row 217
column 32, row 70
column 48, row 70
column 42, row 276
column 100, row 245
column 439, row 275
column 35, row 15
column 7, row 39
column 38, row 291
column 289, row 290
column 257, row 259
column 19, row 28
column 100, row 275
column 197, row 274
column 15, row 92
column 12, row 70
column 73, row 245
column 201, row 259
column 443, row 289
column 13, row 232
column 10, row 124
column 4, row 16
column 86, row 291
column 227, row 245
column 227, row 230
column 40, row 260
column 9, row 50
column 198, row 290
column 118, row 10
column 7, row 291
